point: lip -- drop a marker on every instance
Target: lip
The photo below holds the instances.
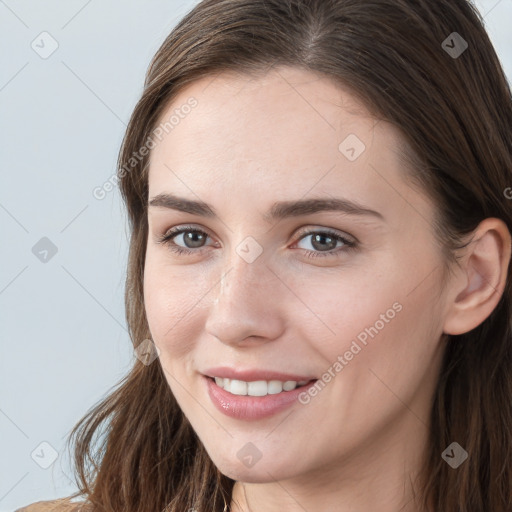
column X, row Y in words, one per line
column 249, row 408
column 252, row 375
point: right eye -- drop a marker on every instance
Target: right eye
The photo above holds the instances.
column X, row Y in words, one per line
column 191, row 236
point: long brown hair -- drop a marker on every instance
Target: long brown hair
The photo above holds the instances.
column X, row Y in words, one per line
column 135, row 451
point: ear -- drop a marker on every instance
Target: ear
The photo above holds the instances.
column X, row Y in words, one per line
column 481, row 277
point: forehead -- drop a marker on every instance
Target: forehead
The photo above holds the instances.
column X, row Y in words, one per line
column 284, row 133
column 284, row 105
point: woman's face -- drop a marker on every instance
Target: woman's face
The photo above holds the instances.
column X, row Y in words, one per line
column 346, row 290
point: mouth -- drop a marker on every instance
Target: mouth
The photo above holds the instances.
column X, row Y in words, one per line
column 258, row 388
column 254, row 400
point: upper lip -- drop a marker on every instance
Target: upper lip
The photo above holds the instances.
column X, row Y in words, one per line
column 254, row 374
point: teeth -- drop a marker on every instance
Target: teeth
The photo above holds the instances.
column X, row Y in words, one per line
column 238, row 387
column 257, row 388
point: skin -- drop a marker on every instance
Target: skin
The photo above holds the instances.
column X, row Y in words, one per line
column 357, row 445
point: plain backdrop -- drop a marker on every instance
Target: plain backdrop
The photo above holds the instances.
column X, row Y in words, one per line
column 71, row 72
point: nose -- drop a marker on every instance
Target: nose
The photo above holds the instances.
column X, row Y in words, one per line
column 247, row 305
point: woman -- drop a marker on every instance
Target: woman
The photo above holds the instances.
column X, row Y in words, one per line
column 318, row 285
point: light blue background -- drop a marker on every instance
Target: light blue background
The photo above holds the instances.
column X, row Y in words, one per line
column 63, row 332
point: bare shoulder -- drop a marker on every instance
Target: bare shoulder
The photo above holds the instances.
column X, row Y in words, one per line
column 60, row 505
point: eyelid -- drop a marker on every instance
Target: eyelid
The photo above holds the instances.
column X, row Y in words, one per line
column 311, row 229
column 175, row 231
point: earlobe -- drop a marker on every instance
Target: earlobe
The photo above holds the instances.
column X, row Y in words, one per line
column 483, row 275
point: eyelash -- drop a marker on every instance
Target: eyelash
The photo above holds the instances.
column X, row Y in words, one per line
column 169, row 235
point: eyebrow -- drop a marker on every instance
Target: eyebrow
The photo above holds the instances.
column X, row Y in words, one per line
column 278, row 211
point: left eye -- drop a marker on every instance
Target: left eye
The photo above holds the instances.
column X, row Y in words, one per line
column 326, row 240
column 321, row 239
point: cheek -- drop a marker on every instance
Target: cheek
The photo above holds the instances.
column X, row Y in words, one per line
column 389, row 345
column 381, row 320
column 381, row 361
column 341, row 307
column 172, row 302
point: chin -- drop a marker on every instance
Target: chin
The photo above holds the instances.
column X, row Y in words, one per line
column 263, row 471
column 252, row 475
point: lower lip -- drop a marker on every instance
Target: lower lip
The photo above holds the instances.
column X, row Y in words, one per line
column 245, row 407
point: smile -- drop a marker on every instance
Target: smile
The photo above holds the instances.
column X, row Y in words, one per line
column 257, row 388
column 265, row 398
